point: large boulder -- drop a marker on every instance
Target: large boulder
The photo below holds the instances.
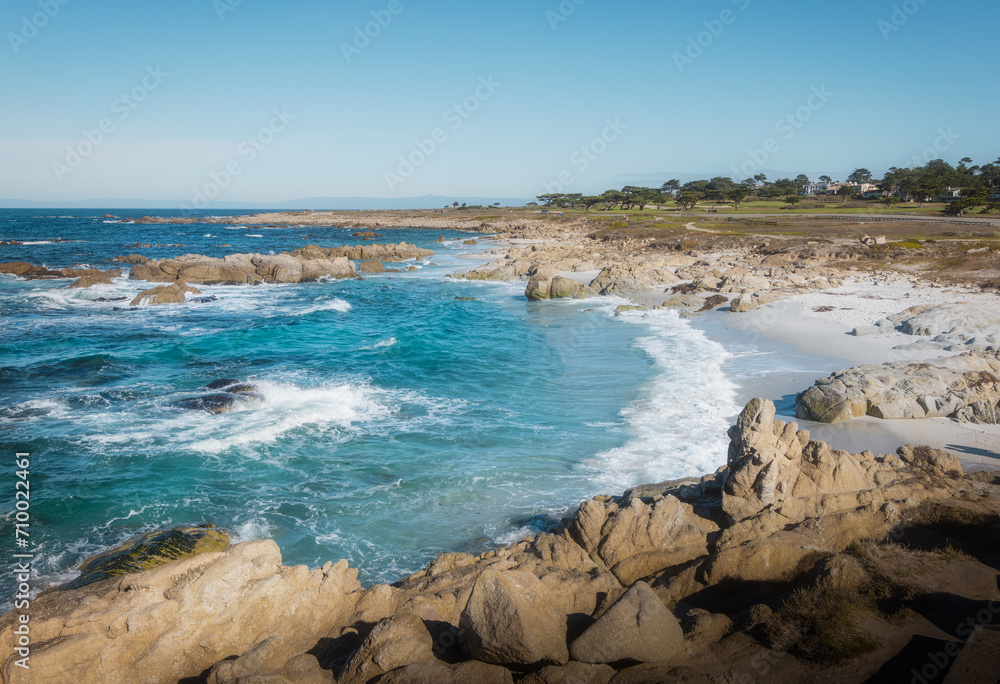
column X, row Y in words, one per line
column 278, row 268
column 635, row 539
column 956, row 326
column 165, row 294
column 511, row 619
column 573, row 672
column 99, row 278
column 175, row 621
column 636, row 627
column 22, row 269
column 547, row 286
column 395, row 642
column 371, row 267
column 338, row 267
column 965, row 388
column 246, row 269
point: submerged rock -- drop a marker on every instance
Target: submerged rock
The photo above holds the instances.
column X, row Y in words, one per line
column 150, row 550
column 235, row 395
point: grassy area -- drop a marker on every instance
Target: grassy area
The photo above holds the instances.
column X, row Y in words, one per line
column 929, row 209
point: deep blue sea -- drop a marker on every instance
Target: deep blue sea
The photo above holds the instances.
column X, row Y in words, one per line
column 398, row 422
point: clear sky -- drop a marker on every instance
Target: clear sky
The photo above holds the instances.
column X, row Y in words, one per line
column 649, row 89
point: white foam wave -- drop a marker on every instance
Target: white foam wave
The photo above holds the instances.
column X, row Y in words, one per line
column 34, row 409
column 254, row 236
column 383, row 344
column 335, row 304
column 251, row 530
column 333, row 408
column 678, row 424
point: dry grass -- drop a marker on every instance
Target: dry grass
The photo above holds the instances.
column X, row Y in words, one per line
column 820, row 624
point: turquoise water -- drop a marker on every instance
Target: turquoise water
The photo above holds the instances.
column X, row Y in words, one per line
column 398, row 422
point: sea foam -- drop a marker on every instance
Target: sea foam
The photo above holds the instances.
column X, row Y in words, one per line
column 677, row 426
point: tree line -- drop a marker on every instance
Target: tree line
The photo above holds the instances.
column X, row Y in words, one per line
column 978, row 186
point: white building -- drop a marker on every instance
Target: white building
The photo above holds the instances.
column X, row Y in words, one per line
column 821, row 189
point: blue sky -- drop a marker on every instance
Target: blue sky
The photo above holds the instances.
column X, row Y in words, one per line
column 896, row 79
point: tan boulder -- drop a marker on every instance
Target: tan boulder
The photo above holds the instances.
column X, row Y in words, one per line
column 510, row 619
column 573, row 672
column 164, row 294
column 371, row 267
column 177, row 620
column 546, row 286
column 100, row 278
column 132, row 259
column 338, row 267
column 26, row 270
column 635, row 539
column 637, row 627
column 395, row 642
column 964, row 388
column 278, row 268
column 475, row 672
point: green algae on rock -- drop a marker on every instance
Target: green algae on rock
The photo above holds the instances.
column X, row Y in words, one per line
column 150, row 550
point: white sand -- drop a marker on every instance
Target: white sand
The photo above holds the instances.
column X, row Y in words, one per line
column 794, row 322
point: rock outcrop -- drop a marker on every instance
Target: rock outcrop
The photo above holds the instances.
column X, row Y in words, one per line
column 303, row 265
column 241, row 269
column 548, row 286
column 964, row 388
column 637, row 627
column 378, row 252
column 950, row 327
column 228, row 395
column 86, row 277
column 510, row 619
column 165, row 294
column 177, row 620
column 98, row 278
column 583, row 604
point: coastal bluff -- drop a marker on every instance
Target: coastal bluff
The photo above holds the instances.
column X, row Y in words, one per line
column 786, row 556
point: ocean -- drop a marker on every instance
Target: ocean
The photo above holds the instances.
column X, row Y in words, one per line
column 398, row 421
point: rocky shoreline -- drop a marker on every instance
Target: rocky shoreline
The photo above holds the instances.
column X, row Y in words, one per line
column 682, row 581
column 794, row 562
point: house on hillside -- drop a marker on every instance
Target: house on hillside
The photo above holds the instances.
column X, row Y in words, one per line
column 949, row 195
column 813, row 189
column 875, row 194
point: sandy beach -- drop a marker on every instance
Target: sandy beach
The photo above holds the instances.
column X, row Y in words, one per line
column 824, row 338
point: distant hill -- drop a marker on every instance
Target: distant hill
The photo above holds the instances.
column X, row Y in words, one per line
column 316, row 203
